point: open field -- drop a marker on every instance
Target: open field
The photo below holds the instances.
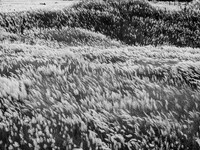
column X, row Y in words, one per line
column 91, row 77
column 23, row 5
column 173, row 6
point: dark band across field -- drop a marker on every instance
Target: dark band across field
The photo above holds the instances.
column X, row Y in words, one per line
column 132, row 22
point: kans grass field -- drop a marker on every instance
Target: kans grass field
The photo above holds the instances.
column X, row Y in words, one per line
column 100, row 75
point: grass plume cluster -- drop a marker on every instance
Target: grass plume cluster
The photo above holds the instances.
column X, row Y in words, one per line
column 107, row 99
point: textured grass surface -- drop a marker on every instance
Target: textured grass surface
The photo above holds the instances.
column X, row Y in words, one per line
column 74, row 88
column 118, row 20
column 94, row 97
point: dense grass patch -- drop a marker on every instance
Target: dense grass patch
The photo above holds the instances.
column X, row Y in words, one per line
column 78, row 37
column 60, row 38
column 132, row 22
column 122, row 98
column 65, row 84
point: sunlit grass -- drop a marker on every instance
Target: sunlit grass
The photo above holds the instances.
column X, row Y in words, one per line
column 74, row 88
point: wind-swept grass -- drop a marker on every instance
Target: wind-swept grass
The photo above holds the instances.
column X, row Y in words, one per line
column 67, row 79
column 105, row 99
column 121, row 20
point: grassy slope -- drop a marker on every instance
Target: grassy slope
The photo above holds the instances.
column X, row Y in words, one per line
column 119, row 20
column 96, row 92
